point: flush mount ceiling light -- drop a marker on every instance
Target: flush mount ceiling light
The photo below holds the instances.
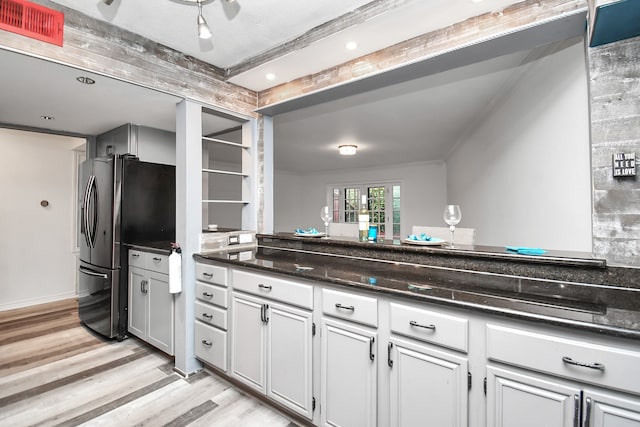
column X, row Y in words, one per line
column 85, row 80
column 347, row 149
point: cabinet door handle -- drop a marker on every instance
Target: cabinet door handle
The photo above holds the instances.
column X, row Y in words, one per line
column 209, row 275
column 155, row 258
column 267, row 287
column 345, row 307
column 262, row 313
column 266, row 318
column 570, row 361
column 587, row 415
column 207, row 295
column 389, row 361
column 418, row 325
column 207, row 316
column 576, row 410
column 207, row 343
column 371, row 355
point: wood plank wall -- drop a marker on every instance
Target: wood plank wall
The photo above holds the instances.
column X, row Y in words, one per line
column 614, row 92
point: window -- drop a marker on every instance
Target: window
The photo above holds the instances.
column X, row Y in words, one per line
column 383, row 203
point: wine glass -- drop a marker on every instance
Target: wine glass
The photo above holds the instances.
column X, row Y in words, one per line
column 452, row 216
column 325, row 216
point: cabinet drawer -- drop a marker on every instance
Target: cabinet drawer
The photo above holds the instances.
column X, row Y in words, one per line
column 159, row 263
column 212, row 294
column 430, row 326
column 349, row 306
column 137, row 258
column 211, row 274
column 211, row 345
column 274, row 288
column 211, row 314
column 149, row 261
column 608, row 366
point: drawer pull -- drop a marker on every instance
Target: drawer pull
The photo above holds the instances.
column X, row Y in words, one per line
column 135, row 255
column 207, row 316
column 570, row 361
column 156, row 259
column 371, row 355
column 267, row 287
column 207, row 295
column 209, row 275
column 418, row 325
column 345, row 307
column 207, row 343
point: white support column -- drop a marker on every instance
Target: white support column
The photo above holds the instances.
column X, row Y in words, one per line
column 188, row 227
column 267, row 177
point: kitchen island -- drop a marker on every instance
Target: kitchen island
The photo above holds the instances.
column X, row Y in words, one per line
column 422, row 333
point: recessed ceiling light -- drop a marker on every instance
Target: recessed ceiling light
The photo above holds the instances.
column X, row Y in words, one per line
column 351, row 45
column 85, row 80
column 47, row 118
column 270, row 76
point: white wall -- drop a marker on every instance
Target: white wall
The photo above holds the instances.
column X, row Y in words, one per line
column 298, row 198
column 38, row 261
column 525, row 168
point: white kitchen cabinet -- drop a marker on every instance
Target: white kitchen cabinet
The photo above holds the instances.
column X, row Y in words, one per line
column 349, row 375
column 271, row 348
column 606, row 409
column 527, row 400
column 211, row 336
column 151, row 306
column 248, row 341
column 600, row 386
column 428, row 386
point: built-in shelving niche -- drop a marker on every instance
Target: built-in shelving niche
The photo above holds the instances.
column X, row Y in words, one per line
column 226, row 178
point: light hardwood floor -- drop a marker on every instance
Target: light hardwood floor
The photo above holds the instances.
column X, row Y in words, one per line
column 54, row 372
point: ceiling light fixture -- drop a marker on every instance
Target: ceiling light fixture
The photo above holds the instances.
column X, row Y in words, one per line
column 203, row 29
column 347, row 149
column 351, row 45
column 270, row 76
column 85, row 80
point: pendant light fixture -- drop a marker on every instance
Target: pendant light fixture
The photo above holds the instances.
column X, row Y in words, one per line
column 203, row 29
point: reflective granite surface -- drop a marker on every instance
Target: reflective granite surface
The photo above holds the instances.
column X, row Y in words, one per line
column 568, row 291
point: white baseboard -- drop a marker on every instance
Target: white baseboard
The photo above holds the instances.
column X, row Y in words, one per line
column 36, row 301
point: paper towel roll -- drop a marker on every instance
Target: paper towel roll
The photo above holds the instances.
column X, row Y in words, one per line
column 175, row 273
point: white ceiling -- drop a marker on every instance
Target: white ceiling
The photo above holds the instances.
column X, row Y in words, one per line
column 418, row 120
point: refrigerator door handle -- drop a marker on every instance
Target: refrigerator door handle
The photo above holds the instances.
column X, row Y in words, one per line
column 93, row 273
column 93, row 224
column 85, row 212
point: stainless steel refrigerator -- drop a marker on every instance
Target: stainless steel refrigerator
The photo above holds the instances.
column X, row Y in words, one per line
column 123, row 201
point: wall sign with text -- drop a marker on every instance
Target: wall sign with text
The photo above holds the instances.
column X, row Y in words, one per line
column 624, row 164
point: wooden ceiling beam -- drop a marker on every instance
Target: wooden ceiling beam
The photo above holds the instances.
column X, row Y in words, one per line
column 472, row 31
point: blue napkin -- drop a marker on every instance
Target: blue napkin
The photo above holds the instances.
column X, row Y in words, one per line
column 525, row 251
column 309, row 230
column 423, row 237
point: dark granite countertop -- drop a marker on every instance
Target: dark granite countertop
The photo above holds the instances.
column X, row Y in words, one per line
column 583, row 304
